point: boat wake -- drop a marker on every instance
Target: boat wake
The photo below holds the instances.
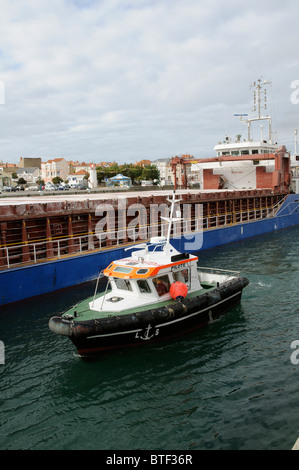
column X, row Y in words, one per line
column 263, row 284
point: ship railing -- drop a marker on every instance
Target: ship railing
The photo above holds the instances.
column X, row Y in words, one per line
column 278, row 205
column 18, row 254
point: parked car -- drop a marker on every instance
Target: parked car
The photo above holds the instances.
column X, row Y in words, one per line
column 7, row 188
column 19, row 187
column 33, row 187
column 49, row 187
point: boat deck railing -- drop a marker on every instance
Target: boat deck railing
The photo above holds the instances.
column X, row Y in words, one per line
column 49, row 249
column 208, row 274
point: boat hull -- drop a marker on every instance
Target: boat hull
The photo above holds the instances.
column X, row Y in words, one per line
column 99, row 335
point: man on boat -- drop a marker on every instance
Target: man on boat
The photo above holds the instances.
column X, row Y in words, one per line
column 161, row 287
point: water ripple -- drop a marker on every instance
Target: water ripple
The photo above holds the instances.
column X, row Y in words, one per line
column 230, row 385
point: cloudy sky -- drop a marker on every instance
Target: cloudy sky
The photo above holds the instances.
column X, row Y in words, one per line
column 124, row 80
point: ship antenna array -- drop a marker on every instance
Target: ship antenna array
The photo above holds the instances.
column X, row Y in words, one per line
column 257, row 99
column 259, row 89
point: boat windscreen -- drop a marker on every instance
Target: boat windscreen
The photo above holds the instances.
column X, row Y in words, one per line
column 123, row 284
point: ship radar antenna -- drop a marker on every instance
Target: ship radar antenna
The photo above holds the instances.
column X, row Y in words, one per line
column 259, row 96
column 259, row 90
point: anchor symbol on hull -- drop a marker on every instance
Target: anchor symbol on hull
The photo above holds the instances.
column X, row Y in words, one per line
column 146, row 333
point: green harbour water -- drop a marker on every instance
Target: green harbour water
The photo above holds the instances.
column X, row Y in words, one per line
column 232, row 385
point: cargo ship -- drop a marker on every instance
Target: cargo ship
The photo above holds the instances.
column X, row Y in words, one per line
column 52, row 242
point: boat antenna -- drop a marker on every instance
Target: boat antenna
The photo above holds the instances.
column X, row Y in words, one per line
column 259, row 87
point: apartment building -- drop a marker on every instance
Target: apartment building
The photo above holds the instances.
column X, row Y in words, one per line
column 52, row 168
column 165, row 170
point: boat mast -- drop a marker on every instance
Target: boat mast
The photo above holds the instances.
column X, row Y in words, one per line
column 258, row 86
column 170, row 220
column 171, row 216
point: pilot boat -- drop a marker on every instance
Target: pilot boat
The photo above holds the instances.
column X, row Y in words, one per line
column 156, row 293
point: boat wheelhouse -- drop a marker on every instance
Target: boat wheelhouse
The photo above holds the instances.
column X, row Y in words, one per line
column 146, row 276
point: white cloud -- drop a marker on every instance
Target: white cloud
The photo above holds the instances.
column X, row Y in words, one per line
column 128, row 79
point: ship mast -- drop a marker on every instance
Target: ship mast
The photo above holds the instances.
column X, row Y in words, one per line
column 259, row 87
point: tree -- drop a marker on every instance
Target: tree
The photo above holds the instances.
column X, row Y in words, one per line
column 103, row 173
column 22, row 181
column 135, row 172
column 100, row 175
column 39, row 181
column 132, row 171
column 14, row 175
column 57, row 180
column 150, row 173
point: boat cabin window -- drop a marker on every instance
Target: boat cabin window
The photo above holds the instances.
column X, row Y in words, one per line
column 143, row 286
column 123, row 284
column 122, row 269
column 162, row 284
column 182, row 275
column 142, row 271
